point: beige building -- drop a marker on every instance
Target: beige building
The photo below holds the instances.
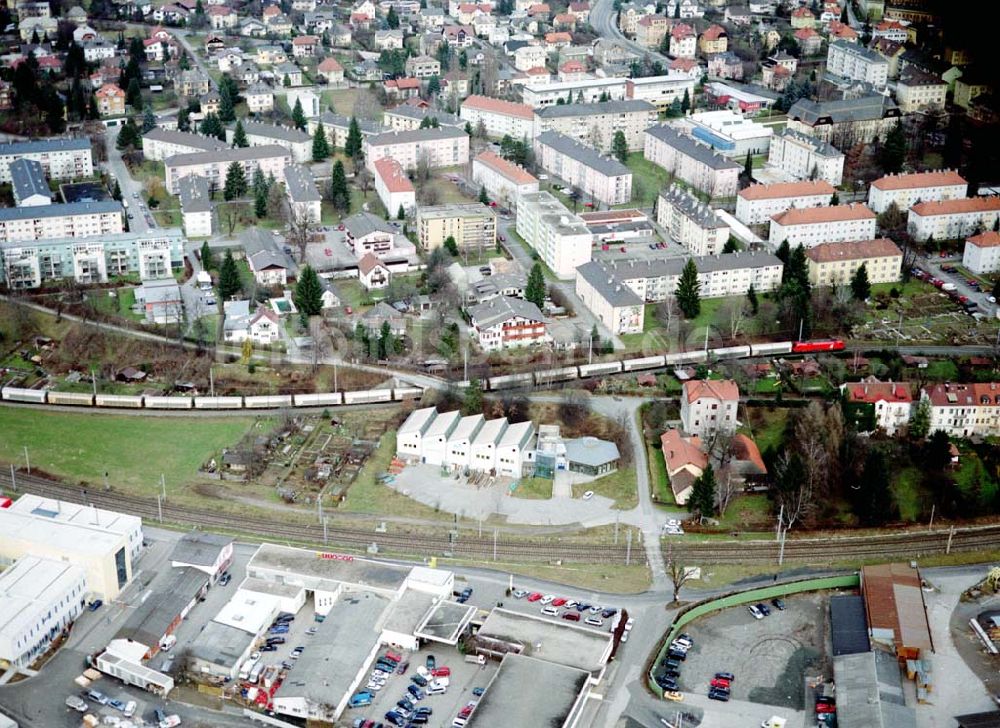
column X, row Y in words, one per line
column 614, row 304
column 442, row 147
column 560, row 237
column 72, row 220
column 811, row 226
column 907, row 190
column 597, row 124
column 964, row 410
column 691, row 162
column 605, row 179
column 259, row 98
column 159, row 144
column 982, row 253
column 756, row 204
column 472, row 225
column 422, row 67
column 651, row 30
column 845, row 122
column 854, row 61
column 270, row 159
column 951, row 219
column 917, row 91
column 691, row 222
column 834, row 264
column 661, row 91
column 504, row 181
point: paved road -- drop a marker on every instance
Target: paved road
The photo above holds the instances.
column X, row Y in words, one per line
column 181, row 35
column 132, row 191
column 604, row 21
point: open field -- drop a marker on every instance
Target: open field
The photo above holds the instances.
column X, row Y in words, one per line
column 533, row 489
column 619, row 486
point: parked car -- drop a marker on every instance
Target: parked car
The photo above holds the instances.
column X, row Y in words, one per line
column 403, row 667
column 519, row 593
column 95, row 605
column 550, row 611
column 779, row 604
column 415, row 691
column 441, row 672
column 76, row 703
column 725, row 676
column 594, row 621
column 463, row 597
column 359, row 700
column 720, row 695
column 752, row 608
column 667, row 683
column 763, row 609
column 117, row 705
column 226, row 576
column 547, row 599
column 558, row 602
column 571, row 616
column 534, row 597
column 419, row 680
column 430, row 662
column 97, row 696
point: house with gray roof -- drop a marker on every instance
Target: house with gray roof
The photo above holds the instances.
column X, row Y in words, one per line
column 30, row 187
column 269, row 264
column 613, row 302
column 303, row 197
column 60, row 158
column 196, row 206
column 602, row 178
column 692, row 162
column 210, row 553
column 506, row 322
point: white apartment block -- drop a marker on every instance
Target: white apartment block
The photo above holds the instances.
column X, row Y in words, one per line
column 709, row 406
column 834, row 264
column 504, row 181
column 196, row 207
column 917, row 90
column 661, row 90
column 611, row 301
column 297, row 142
column 814, row 225
column 805, row 157
column 587, row 91
column 39, row 599
column 159, row 144
column 854, row 61
column 393, row 187
column 757, row 204
column 442, row 147
column 560, row 238
column 907, row 190
column 603, row 178
column 271, row 159
column 466, row 443
column 964, row 410
column 304, row 200
column 60, row 158
column 982, row 253
column 691, row 222
column 691, row 162
column 891, row 402
column 500, row 118
column 597, row 124
column 952, row 219
column 73, row 220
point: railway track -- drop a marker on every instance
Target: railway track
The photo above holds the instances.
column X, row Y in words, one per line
column 441, row 543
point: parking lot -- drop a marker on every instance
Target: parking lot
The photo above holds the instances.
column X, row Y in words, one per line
column 768, row 657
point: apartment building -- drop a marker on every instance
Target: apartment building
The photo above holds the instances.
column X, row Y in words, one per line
column 982, row 253
column 603, row 178
column 709, row 406
column 952, row 219
column 60, row 158
column 917, row 90
column 815, row 225
column 560, row 238
column 884, row 405
column 907, row 190
column 394, row 187
column 422, row 67
column 691, row 222
column 196, row 206
column 757, row 204
column 28, row 184
column 337, row 127
column 159, row 144
column 304, row 200
column 587, row 91
column 964, row 410
column 854, row 61
column 259, row 98
column 683, row 41
column 834, row 264
column 41, row 599
column 296, row 141
column 651, row 30
column 504, row 181
column 612, row 302
column 506, row 322
column 73, row 220
column 661, row 91
column 597, row 124
column 806, row 157
column 500, row 118
column 270, row 159
column 110, row 100
column 845, row 122
column 691, row 162
column 442, row 147
column 472, row 225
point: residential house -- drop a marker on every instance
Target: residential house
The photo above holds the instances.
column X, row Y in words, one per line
column 506, row 322
column 422, row 67
column 811, row 226
column 725, row 65
column 499, row 118
column 709, row 406
column 604, row 179
column 804, row 157
column 193, row 83
column 919, row 91
column 964, row 410
column 691, row 222
column 442, row 147
column 612, row 302
column 110, row 100
column 504, row 181
column 222, row 17
column 373, row 273
column 693, row 163
column 651, row 30
column 288, row 74
column 389, row 39
column 685, row 462
column 713, row 40
column 908, row 189
column 982, row 253
column 854, row 61
column 683, row 41
column 803, row 18
column 845, row 122
column 161, row 301
column 756, row 204
column 952, row 219
column 871, row 404
column 809, row 41
column 305, row 46
column 558, row 236
column 259, row 98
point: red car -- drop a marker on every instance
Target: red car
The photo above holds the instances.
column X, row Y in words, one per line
column 558, row 602
column 825, row 708
column 534, row 597
column 572, row 616
column 395, row 656
column 441, row 672
column 719, row 683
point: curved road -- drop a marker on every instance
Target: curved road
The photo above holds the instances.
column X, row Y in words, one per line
column 603, row 19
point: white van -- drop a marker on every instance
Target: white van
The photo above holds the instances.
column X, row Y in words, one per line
column 167, row 642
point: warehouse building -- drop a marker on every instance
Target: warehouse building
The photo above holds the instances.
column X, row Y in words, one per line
column 897, row 615
column 870, row 692
column 209, row 553
column 730, row 134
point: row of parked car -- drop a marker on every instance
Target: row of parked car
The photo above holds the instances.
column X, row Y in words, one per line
column 428, row 680
column 592, row 614
column 761, row 610
column 671, row 666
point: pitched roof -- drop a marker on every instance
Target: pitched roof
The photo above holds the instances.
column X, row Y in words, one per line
column 264, row 312
column 815, row 215
column 963, row 395
column 787, row 189
column 28, row 178
column 952, row 207
column 498, row 106
column 745, row 449
column 585, row 155
column 689, row 147
column 368, row 263
column 503, row 308
column 714, row 32
column 724, row 390
column 199, row 549
column 917, row 180
column 989, row 239
column 679, row 451
column 865, row 108
column 853, row 250
column 875, row 391
column 392, row 175
column 416, row 135
column 329, row 64
column 361, row 224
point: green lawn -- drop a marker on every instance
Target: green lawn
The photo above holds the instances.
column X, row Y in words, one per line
column 133, row 450
column 513, row 237
column 659, row 482
column 620, row 486
column 648, row 179
column 767, row 425
column 533, row 489
column 908, row 493
column 942, row 370
column 118, row 305
column 746, row 512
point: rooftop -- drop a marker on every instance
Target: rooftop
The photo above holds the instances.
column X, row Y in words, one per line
column 848, row 624
column 870, row 693
column 616, row 293
column 101, row 207
column 66, row 536
column 591, row 451
column 989, row 239
column 29, row 588
column 853, row 250
column 964, row 395
column 691, row 206
column 313, row 570
column 226, row 156
column 491, row 432
column 28, row 179
column 193, row 191
column 819, row 215
column 780, row 190
column 895, row 606
column 679, row 451
column 872, row 392
column 582, row 153
column 499, row 106
column 406, row 613
column 516, row 174
column 503, row 308
column 275, row 131
column 221, row 644
column 818, row 146
column 919, row 180
column 185, row 138
column 959, row 206
column 456, row 209
column 554, row 640
column 392, row 175
column 688, row 146
column 865, row 108
column 199, row 548
column 416, row 135
column 418, row 421
column 300, row 184
column 151, row 620
column 625, row 106
column 724, row 390
column 361, row 224
column 66, row 512
column 632, row 269
column 446, row 621
column 41, row 146
column 856, row 49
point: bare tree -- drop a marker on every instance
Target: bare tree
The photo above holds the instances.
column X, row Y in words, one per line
column 666, row 312
column 678, row 574
column 488, row 73
column 299, row 229
column 731, row 317
column 321, row 341
column 363, row 179
column 232, row 214
column 277, row 208
column 366, row 106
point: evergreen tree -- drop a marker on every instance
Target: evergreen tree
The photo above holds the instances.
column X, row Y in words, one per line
column 686, row 102
column 619, row 146
column 861, row 289
column 873, row 503
column 148, row 119
column 321, row 147
column 183, row 119
column 752, row 300
column 732, row 245
column 229, row 277
column 298, row 116
column 451, row 246
column 401, row 212
column 835, row 198
column 340, row 194
column 920, row 421
column 463, row 60
column 702, row 499
column 468, row 128
column 353, row 145
column 748, row 166
column 236, row 182
column 207, row 259
column 473, row 402
column 783, row 253
column 260, row 202
column 308, row 292
column 133, row 95
column 677, row 10
column 386, row 341
column 211, row 126
column 534, row 290
column 433, row 86
column 391, row 18
column 116, row 191
column 128, row 136
column 687, row 295
column 240, row 136
column 675, row 109
column 483, row 197
column 843, row 14
column 893, row 152
column 286, row 81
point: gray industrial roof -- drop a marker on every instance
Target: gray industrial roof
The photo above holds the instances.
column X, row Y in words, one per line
column 43, row 145
column 445, row 622
column 553, row 640
column 692, row 207
column 193, row 191
column 71, row 208
column 150, row 621
column 591, row 451
column 870, row 692
column 407, row 612
column 199, row 548
column 530, row 692
column 416, row 135
column 239, row 154
column 614, row 292
column 273, row 131
column 172, row 136
column 365, row 223
column 848, row 625
column 582, row 153
column 220, row 644
column 602, row 107
column 501, row 308
column 161, row 291
column 28, row 178
column 313, row 572
column 688, row 146
column 300, row 184
column 866, row 108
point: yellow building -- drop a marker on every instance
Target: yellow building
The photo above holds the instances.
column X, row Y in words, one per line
column 472, row 225
column 713, row 40
column 836, row 263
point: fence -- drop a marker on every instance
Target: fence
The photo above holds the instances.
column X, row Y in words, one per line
column 700, row 609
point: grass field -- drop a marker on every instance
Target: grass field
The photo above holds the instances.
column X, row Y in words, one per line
column 134, row 451
column 119, row 305
column 659, row 482
column 533, row 489
column 767, row 426
column 619, row 486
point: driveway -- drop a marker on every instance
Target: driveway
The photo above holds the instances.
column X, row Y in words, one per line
column 132, row 191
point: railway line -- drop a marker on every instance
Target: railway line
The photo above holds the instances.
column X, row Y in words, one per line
column 442, row 543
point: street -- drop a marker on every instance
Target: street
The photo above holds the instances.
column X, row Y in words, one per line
column 140, row 220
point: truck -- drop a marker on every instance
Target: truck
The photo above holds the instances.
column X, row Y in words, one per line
column 204, row 279
column 476, row 659
column 167, row 642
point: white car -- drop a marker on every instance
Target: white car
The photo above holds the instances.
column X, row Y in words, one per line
column 550, row 611
column 629, row 624
column 547, row 599
column 130, row 707
column 755, row 612
column 594, row 621
column 374, row 687
column 991, row 299
column 519, row 593
column 423, row 672
column 588, row 495
column 571, row 603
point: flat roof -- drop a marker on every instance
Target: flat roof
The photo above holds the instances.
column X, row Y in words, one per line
column 343, row 643
column 262, row 586
column 66, row 512
column 894, row 602
column 221, row 644
column 249, row 611
column 848, row 625
column 529, row 692
column 445, row 622
column 553, row 640
column 72, row 538
column 312, row 570
column 30, row 587
column 408, row 612
column 199, row 548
